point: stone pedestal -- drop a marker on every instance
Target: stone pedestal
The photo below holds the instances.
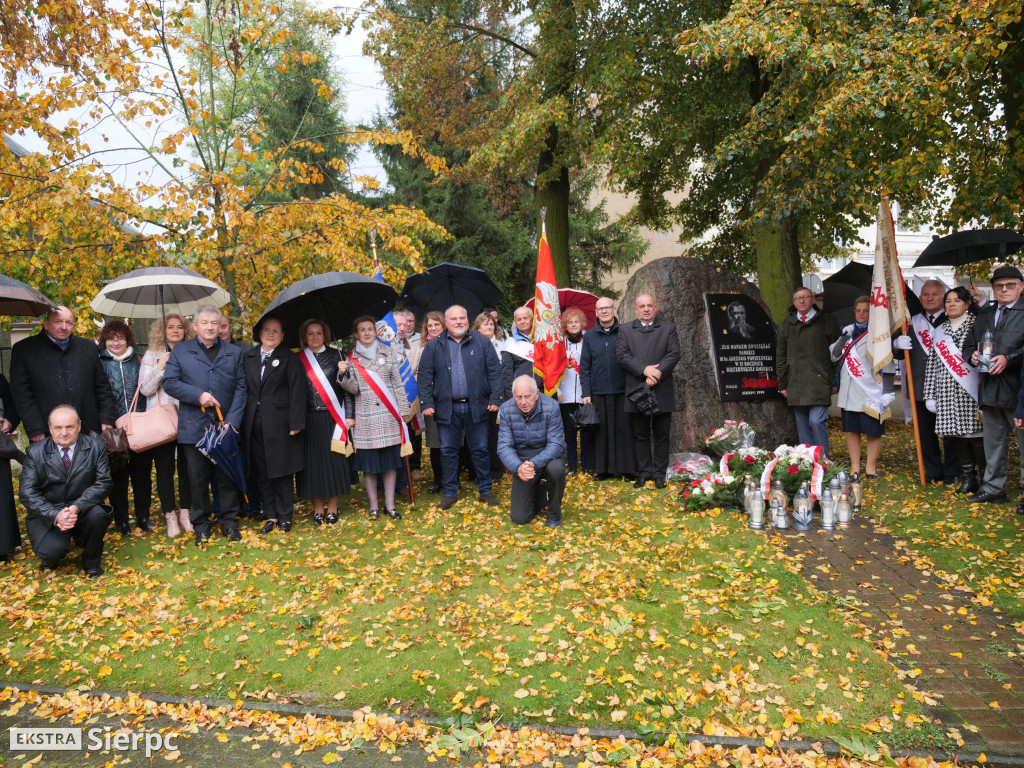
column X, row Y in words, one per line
column 678, row 285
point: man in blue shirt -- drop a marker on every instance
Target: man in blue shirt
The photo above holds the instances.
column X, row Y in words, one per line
column 531, row 447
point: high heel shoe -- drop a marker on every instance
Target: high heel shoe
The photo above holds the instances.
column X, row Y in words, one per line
column 373, row 514
column 318, row 519
column 394, row 514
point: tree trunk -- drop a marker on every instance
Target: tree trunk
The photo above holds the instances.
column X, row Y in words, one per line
column 778, row 265
column 554, row 196
column 1011, row 71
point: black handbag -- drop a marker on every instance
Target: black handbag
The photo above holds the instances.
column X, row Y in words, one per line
column 115, row 440
column 643, row 397
column 586, row 416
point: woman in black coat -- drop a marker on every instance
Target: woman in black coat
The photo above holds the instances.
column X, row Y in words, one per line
column 275, row 414
column 122, row 364
column 10, row 535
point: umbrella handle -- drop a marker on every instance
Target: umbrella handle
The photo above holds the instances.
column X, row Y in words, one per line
column 220, row 418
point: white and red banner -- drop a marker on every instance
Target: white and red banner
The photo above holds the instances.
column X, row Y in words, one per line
column 549, row 358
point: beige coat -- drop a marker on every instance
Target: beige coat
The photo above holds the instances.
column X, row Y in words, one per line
column 375, row 426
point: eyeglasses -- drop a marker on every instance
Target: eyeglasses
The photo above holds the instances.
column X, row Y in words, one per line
column 1005, row 286
column 604, row 309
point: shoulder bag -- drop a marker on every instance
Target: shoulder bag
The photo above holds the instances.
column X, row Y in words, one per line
column 148, row 429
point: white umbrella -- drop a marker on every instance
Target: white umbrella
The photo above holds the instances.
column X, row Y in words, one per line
column 155, row 291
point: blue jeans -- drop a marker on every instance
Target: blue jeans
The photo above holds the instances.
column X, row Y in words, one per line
column 812, row 425
column 451, row 440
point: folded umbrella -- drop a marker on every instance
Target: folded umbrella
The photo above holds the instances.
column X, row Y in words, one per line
column 446, row 284
column 337, row 298
column 17, row 298
column 220, row 445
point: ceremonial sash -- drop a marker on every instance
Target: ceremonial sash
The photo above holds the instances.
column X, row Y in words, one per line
column 874, row 401
column 340, row 442
column 520, row 347
column 925, row 332
column 383, row 392
column 953, row 361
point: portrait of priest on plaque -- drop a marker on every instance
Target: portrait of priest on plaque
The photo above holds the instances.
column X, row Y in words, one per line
column 742, row 346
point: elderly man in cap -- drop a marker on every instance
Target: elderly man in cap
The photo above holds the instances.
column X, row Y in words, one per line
column 1000, row 385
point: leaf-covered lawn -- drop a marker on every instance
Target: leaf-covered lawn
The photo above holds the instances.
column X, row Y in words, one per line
column 632, row 614
column 980, row 545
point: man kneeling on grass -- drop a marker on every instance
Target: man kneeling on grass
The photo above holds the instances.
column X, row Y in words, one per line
column 531, row 447
column 63, row 483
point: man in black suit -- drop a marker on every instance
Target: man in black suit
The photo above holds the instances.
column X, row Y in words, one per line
column 55, row 367
column 648, row 350
column 63, row 483
column 275, row 414
column 919, row 343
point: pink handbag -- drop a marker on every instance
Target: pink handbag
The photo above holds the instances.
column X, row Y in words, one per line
column 148, row 429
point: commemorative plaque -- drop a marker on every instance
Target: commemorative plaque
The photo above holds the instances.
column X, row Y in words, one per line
column 743, row 346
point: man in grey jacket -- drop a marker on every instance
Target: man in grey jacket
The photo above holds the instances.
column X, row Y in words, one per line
column 531, row 447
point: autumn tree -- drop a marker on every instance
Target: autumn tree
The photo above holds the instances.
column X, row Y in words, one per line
column 177, row 80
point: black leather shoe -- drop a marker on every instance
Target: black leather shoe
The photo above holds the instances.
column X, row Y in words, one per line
column 603, row 476
column 447, row 502
column 435, row 488
column 268, row 526
column 144, row 524
column 47, row 565
column 124, row 529
column 394, row 514
column 1020, row 507
column 318, row 519
column 373, row 514
column 490, row 500
column 640, row 482
column 284, row 526
column 202, row 539
column 987, row 497
column 93, row 573
column 659, row 483
column 332, row 518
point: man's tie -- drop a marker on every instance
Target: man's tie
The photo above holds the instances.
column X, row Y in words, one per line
column 1001, row 312
column 803, row 318
column 67, row 459
column 263, row 362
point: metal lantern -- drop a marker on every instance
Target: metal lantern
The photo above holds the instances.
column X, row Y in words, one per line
column 985, row 350
column 803, row 509
column 856, row 493
column 779, row 518
column 843, row 512
column 756, row 521
column 844, row 482
column 778, row 493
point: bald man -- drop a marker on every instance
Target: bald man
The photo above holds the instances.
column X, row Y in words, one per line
column 648, row 350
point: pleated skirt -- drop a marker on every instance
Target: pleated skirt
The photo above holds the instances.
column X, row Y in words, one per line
column 614, row 453
column 327, row 473
column 377, row 460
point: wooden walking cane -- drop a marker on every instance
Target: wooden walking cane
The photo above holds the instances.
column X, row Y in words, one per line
column 913, row 405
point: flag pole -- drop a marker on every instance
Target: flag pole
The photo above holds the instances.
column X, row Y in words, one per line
column 913, row 406
column 408, row 468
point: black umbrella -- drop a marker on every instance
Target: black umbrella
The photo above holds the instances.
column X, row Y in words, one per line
column 850, row 283
column 220, row 444
column 446, row 284
column 970, row 246
column 16, row 298
column 337, row 298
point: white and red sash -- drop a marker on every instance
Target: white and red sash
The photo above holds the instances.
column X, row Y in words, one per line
column 874, row 401
column 520, row 347
column 925, row 332
column 953, row 361
column 340, row 442
column 377, row 386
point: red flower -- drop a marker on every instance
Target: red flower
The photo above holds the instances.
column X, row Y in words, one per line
column 686, row 494
column 749, row 459
column 794, row 469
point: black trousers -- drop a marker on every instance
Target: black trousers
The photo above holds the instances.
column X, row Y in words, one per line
column 940, row 463
column 136, row 472
column 200, row 472
column 529, row 497
column 278, row 492
column 650, row 440
column 165, row 456
column 87, row 533
column 575, row 436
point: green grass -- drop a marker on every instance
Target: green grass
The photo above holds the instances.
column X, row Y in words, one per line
column 632, row 613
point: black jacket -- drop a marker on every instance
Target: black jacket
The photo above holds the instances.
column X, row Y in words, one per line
column 657, row 344
column 46, row 487
column 43, row 376
column 280, row 396
column 124, row 380
column 1000, row 389
column 600, row 372
column 483, row 375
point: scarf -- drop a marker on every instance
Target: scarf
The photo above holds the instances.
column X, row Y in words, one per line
column 574, row 338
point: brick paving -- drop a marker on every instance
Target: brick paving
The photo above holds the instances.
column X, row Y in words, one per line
column 967, row 655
